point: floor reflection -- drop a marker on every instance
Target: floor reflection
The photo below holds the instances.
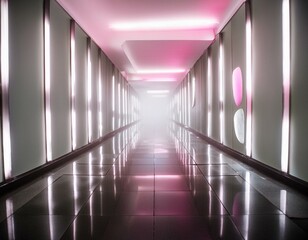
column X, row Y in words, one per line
column 155, row 185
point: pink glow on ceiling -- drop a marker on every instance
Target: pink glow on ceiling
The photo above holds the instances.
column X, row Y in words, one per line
column 135, row 50
column 158, row 54
column 237, row 82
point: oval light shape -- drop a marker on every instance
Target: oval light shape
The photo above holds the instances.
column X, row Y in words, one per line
column 239, row 125
column 237, row 84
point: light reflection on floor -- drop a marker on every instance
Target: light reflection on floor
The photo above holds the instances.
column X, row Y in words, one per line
column 154, row 185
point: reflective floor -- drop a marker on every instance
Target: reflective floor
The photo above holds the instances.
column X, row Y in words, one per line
column 154, row 185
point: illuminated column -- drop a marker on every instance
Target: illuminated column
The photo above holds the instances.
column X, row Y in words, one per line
column 221, row 89
column 113, row 102
column 47, row 79
column 100, row 97
column 189, row 100
column 248, row 81
column 6, row 135
column 209, row 96
column 73, row 85
column 89, row 89
column 286, row 85
column 119, row 103
column 123, row 107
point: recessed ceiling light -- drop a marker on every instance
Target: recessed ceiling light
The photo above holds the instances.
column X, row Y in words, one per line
column 176, row 24
column 161, row 80
column 158, row 91
column 160, row 71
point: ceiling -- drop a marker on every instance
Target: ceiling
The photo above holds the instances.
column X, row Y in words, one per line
column 154, row 43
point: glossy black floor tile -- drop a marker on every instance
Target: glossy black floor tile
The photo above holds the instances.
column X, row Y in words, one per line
column 176, row 203
column 55, row 203
column 189, row 227
column 110, row 184
column 154, row 187
column 302, row 223
column 140, row 161
column 208, row 204
column 168, row 170
column 34, row 227
column 64, row 197
column 291, row 204
column 139, row 170
column 170, row 183
column 268, row 227
column 217, row 170
column 104, row 160
column 167, row 161
column 129, row 227
column 198, row 184
column 135, row 204
column 86, row 169
column 100, row 204
column 138, row 183
column 241, row 203
column 87, row 227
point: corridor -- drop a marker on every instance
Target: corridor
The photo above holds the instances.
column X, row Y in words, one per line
column 146, row 185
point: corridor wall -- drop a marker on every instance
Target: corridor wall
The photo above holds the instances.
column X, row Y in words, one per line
column 26, row 97
column 250, row 102
column 60, row 80
column 56, row 87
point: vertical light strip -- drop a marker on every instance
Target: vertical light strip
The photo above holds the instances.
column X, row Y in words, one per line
column 286, row 85
column 6, row 135
column 123, row 107
column 73, row 85
column 221, row 89
column 185, row 105
column 89, row 90
column 209, row 97
column 248, row 81
column 47, row 79
column 125, row 103
column 193, row 86
column 119, row 104
column 189, row 100
column 100, row 97
column 113, row 102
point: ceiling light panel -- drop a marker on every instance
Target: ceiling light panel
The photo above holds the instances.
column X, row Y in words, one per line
column 158, row 91
column 176, row 24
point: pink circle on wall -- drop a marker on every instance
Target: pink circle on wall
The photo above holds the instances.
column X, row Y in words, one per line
column 237, row 82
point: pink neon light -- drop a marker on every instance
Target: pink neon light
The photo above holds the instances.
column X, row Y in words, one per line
column 237, row 83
